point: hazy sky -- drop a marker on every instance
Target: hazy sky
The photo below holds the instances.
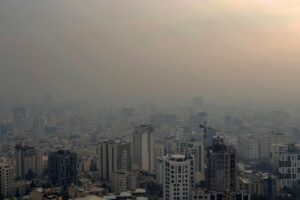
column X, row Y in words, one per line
column 146, row 50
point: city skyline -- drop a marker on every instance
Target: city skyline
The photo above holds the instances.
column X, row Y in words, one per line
column 149, row 100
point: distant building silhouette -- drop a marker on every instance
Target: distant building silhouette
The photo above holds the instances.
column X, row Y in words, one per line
column 143, row 148
column 19, row 117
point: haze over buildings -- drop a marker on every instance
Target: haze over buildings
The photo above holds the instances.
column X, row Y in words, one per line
column 141, row 99
column 166, row 51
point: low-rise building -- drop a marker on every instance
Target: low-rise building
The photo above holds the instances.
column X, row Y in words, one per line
column 45, row 194
column 203, row 194
column 75, row 191
column 124, row 181
column 259, row 184
column 138, row 194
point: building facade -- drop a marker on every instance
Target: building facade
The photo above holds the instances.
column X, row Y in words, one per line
column 259, row 184
column 124, row 181
column 178, row 177
column 200, row 194
column 143, row 148
column 62, row 168
column 113, row 156
column 289, row 168
column 28, row 159
column 277, row 150
column 7, row 181
column 221, row 174
column 267, row 140
column 196, row 149
column 248, row 148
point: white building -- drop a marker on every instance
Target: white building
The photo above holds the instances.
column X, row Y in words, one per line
column 289, row 167
column 143, row 148
column 7, row 181
column 178, row 177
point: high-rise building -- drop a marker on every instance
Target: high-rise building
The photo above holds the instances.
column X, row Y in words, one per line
column 267, row 140
column 62, row 168
column 128, row 113
column 113, row 156
column 19, row 117
column 28, row 160
column 289, row 167
column 38, row 126
column 277, row 150
column 183, row 133
column 143, row 149
column 178, row 177
column 196, row 149
column 7, row 181
column 159, row 171
column 221, row 173
column 248, row 148
column 198, row 118
column 210, row 133
column 198, row 101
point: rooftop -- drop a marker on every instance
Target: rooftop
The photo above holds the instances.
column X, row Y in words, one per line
column 178, row 157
